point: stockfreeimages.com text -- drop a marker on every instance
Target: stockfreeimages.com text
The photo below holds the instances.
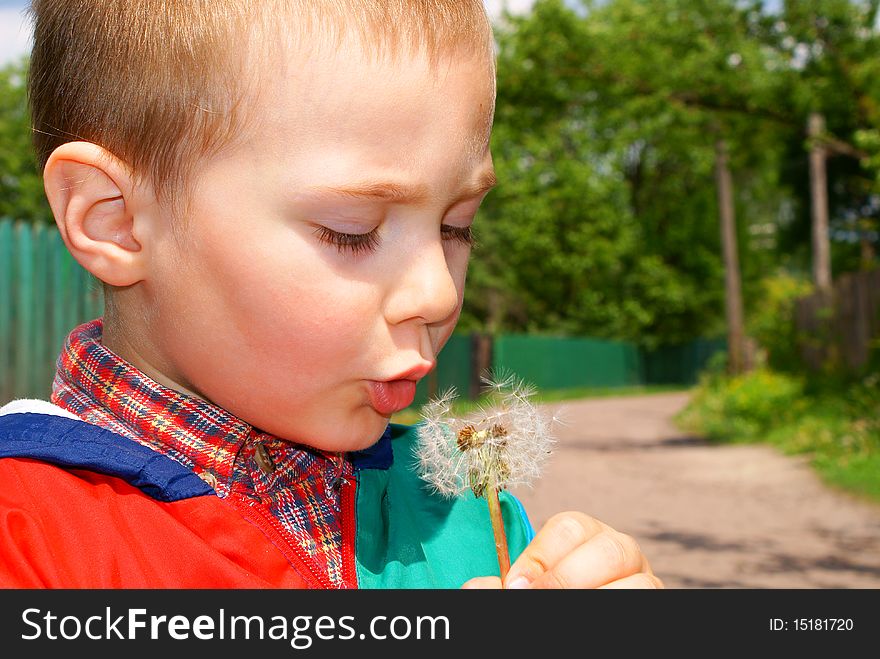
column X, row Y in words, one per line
column 300, row 631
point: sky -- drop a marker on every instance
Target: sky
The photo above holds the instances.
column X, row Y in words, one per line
column 15, row 30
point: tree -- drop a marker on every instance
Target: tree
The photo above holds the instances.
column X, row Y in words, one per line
column 832, row 52
column 21, row 185
column 732, row 284
column 698, row 63
column 604, row 142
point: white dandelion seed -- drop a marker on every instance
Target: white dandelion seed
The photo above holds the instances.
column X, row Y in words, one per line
column 503, row 444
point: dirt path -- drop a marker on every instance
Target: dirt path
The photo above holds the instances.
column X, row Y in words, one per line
column 706, row 516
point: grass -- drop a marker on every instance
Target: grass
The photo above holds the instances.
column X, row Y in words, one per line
column 463, row 406
column 859, row 474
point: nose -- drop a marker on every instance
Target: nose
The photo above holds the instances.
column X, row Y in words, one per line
column 423, row 288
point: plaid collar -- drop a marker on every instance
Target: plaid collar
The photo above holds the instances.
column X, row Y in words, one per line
column 297, row 485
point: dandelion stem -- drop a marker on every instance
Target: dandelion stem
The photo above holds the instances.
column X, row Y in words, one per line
column 498, row 528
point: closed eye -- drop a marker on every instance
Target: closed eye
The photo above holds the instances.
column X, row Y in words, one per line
column 461, row 234
column 357, row 243
column 354, row 243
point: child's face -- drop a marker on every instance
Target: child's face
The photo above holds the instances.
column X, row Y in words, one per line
column 256, row 313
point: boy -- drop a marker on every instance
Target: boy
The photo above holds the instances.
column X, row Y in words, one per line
column 278, row 197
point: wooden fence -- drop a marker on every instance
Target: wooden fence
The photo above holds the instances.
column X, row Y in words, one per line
column 44, row 293
column 838, row 331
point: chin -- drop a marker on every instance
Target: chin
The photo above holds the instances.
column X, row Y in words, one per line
column 369, row 432
column 361, row 432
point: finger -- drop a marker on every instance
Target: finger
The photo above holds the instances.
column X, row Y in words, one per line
column 640, row 580
column 483, row 583
column 606, row 557
column 559, row 537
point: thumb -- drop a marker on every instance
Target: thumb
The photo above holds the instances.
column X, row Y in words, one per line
column 483, row 583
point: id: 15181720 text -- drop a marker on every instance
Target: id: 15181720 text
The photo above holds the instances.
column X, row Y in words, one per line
column 811, row 624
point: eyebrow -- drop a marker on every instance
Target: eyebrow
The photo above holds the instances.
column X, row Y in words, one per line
column 399, row 193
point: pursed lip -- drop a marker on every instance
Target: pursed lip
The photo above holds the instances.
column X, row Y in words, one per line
column 397, row 393
column 415, row 373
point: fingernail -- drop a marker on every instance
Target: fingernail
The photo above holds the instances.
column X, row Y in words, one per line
column 519, row 582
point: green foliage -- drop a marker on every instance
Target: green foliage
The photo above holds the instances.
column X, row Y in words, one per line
column 836, row 425
column 745, row 407
column 772, row 321
column 831, row 48
column 21, row 186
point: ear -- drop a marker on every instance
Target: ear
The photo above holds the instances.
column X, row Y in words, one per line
column 95, row 200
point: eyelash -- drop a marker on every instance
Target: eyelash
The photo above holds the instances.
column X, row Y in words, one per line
column 357, row 243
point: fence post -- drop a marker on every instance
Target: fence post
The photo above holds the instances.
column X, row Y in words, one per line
column 7, row 297
column 481, row 362
column 432, row 384
column 24, row 325
column 39, row 369
column 819, row 204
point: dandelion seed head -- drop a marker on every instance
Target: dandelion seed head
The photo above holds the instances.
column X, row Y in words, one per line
column 504, row 443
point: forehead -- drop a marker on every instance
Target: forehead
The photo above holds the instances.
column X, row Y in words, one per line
column 324, row 109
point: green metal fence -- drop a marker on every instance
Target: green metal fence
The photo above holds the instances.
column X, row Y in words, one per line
column 561, row 362
column 453, row 370
column 564, row 362
column 44, row 293
column 680, row 364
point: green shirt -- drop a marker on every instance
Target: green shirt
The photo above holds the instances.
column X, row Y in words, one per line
column 411, row 537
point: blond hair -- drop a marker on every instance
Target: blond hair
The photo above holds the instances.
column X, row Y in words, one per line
column 161, row 83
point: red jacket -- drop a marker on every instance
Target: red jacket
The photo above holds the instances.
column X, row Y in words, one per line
column 152, row 524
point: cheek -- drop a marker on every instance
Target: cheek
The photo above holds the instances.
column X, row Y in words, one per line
column 288, row 300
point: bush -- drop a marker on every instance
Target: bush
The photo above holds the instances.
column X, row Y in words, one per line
column 772, row 322
column 744, row 407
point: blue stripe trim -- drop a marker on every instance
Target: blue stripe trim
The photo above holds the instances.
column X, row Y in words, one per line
column 378, row 456
column 530, row 530
column 79, row 445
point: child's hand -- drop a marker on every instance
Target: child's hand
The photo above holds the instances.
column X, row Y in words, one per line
column 573, row 550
